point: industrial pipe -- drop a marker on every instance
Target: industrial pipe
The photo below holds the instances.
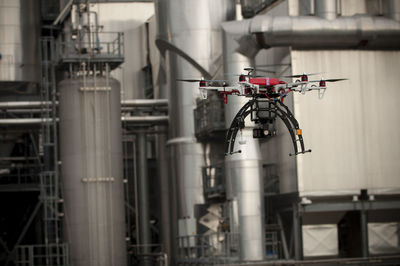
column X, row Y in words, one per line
column 244, row 180
column 144, row 102
column 20, row 104
column 306, row 32
column 129, row 119
column 143, row 196
column 124, row 103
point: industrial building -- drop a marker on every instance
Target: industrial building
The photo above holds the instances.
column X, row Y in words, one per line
column 107, row 159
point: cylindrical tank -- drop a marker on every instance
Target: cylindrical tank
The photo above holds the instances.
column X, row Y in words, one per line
column 91, row 155
column 19, row 42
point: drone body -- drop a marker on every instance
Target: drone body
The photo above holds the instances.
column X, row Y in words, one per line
column 266, row 104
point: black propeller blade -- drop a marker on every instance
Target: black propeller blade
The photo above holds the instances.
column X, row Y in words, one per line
column 327, row 80
column 333, row 80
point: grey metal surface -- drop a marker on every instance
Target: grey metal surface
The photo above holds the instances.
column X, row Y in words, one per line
column 19, row 41
column 243, row 170
column 325, row 9
column 91, row 155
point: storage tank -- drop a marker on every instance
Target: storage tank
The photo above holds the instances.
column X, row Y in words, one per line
column 19, row 42
column 91, row 155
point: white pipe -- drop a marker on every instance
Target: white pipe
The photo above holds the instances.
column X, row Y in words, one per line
column 144, row 102
column 21, row 104
column 145, row 119
column 25, row 121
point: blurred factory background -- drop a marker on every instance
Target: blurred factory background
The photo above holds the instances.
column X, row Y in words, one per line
column 106, row 159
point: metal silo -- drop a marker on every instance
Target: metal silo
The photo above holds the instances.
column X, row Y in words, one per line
column 91, row 154
column 19, row 42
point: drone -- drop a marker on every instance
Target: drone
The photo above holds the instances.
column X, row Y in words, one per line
column 265, row 105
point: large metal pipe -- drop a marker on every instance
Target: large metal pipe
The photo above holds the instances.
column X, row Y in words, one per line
column 194, row 27
column 143, row 197
column 326, row 9
column 243, row 169
column 305, row 32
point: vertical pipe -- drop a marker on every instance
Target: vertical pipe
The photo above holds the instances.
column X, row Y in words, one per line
column 393, row 9
column 364, row 232
column 244, row 169
column 326, row 9
column 143, row 199
column 297, row 233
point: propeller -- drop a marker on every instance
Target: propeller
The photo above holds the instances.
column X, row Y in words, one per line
column 304, row 74
column 328, row 80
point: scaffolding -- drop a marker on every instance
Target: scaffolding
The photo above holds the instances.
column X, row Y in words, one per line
column 52, row 251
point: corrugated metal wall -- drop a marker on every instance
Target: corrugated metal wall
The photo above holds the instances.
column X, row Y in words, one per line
column 353, row 131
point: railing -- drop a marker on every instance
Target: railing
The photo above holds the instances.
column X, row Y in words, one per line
column 272, row 245
column 214, row 184
column 20, row 174
column 152, row 254
column 42, row 255
column 209, row 117
column 108, row 45
column 221, row 246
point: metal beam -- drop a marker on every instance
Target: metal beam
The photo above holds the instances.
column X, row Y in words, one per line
column 350, row 206
column 24, row 230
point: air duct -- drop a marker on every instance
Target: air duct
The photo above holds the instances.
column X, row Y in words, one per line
column 307, row 32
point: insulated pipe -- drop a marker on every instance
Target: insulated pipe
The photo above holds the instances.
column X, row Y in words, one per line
column 144, row 102
column 326, row 9
column 20, row 104
column 143, row 196
column 25, row 121
column 243, row 170
column 305, row 32
column 146, row 119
